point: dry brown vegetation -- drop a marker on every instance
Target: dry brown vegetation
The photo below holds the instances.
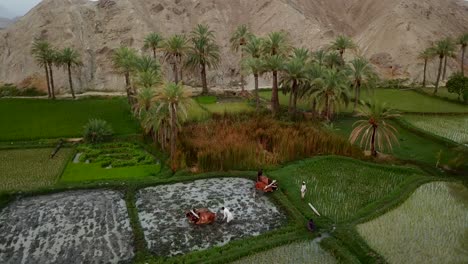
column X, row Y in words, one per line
column 231, row 142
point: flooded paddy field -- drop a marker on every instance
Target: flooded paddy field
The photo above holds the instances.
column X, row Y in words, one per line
column 68, row 227
column 167, row 231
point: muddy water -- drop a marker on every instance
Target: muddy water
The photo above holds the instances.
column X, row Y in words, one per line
column 167, row 231
column 69, row 227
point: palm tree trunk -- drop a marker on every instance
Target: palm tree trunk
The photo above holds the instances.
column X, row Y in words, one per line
column 70, row 80
column 292, row 108
column 438, row 74
column 203, row 76
column 291, row 94
column 257, row 97
column 463, row 61
column 127, row 88
column 296, row 91
column 356, row 95
column 154, row 53
column 240, row 68
column 342, row 53
column 173, row 136
column 327, row 106
column 373, row 151
column 424, row 78
column 52, row 86
column 176, row 75
column 445, row 68
column 48, row 81
column 274, row 94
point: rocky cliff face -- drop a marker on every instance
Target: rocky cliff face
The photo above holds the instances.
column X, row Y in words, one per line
column 389, row 32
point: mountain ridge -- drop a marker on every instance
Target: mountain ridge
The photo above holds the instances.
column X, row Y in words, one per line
column 390, row 33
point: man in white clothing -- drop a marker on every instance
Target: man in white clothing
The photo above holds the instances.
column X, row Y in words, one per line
column 227, row 215
column 303, row 190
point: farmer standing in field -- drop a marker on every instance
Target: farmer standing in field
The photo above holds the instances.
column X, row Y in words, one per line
column 303, row 190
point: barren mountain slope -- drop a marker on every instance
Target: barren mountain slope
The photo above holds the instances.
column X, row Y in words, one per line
column 399, row 28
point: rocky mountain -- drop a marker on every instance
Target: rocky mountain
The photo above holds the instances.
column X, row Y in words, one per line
column 5, row 22
column 389, row 32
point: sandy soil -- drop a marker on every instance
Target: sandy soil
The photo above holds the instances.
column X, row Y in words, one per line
column 69, row 227
column 167, row 231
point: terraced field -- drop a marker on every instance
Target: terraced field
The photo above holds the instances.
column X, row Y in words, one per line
column 430, row 227
column 454, row 128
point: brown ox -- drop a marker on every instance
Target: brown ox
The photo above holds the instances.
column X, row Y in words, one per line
column 265, row 184
column 201, row 216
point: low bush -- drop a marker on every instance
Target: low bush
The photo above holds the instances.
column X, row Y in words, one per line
column 11, row 90
column 97, row 130
column 244, row 142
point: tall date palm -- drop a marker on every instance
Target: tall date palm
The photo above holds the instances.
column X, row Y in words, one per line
column 239, row 39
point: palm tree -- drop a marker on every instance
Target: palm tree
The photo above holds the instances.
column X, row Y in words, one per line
column 275, row 49
column 239, row 39
column 40, row 52
column 442, row 49
column 173, row 101
column 175, row 49
column 274, row 64
column 301, row 54
column 331, row 92
column 153, row 41
column 256, row 67
column 333, row 60
column 144, row 100
column 254, row 47
column 70, row 58
column 124, row 61
column 375, row 127
column 362, row 74
column 52, row 57
column 463, row 42
column 426, row 55
column 294, row 76
column 204, row 52
column 342, row 43
column 320, row 57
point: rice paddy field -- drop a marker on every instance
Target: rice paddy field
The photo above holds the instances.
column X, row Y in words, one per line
column 26, row 169
column 307, row 252
column 430, row 227
column 340, row 187
column 403, row 100
column 30, row 119
column 454, row 128
column 228, row 107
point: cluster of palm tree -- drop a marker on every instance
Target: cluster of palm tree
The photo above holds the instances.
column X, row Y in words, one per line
column 48, row 57
column 323, row 77
column 160, row 105
column 443, row 50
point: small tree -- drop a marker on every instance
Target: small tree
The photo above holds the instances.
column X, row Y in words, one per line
column 153, row 42
column 97, row 130
column 124, row 62
column 463, row 42
column 458, row 84
column 40, row 51
column 175, row 49
column 374, row 130
column 342, row 43
column 239, row 39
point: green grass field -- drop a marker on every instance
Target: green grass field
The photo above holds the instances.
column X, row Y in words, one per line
column 339, row 187
column 196, row 113
column 430, row 227
column 454, row 128
column 228, row 107
column 410, row 146
column 29, row 119
column 406, row 101
column 442, row 92
column 306, row 252
column 111, row 161
column 27, row 169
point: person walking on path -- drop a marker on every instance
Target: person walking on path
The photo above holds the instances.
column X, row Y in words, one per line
column 303, row 190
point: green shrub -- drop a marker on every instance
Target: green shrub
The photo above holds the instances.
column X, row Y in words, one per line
column 97, row 130
column 11, row 90
column 458, row 84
